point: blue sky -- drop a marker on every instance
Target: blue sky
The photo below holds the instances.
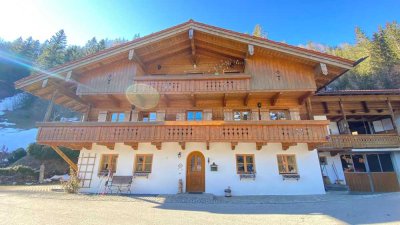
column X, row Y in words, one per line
column 295, row 22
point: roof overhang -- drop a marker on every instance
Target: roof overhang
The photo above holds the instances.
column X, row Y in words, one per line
column 302, row 53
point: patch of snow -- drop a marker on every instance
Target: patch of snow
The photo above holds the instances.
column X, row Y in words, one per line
column 5, row 123
column 11, row 103
column 16, row 138
column 64, row 177
column 73, row 119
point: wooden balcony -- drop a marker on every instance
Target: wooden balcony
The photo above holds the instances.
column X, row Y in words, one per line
column 78, row 135
column 348, row 141
column 180, row 84
column 175, row 84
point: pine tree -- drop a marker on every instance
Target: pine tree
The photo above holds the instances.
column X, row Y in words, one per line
column 54, row 51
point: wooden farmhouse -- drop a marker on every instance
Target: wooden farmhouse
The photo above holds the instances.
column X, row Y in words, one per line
column 197, row 108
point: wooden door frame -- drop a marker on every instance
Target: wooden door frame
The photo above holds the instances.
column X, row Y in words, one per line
column 203, row 165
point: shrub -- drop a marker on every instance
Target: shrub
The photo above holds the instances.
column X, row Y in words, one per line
column 16, row 155
column 18, row 170
column 73, row 184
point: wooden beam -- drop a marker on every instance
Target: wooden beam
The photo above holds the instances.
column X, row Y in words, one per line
column 259, row 145
column 134, row 145
column 68, row 76
column 365, row 106
column 286, row 145
column 321, row 68
column 389, row 104
column 193, row 100
column 233, row 145
column 165, row 99
column 50, row 107
column 44, row 83
column 157, row 144
column 224, row 100
column 207, row 145
column 250, row 51
column 275, row 98
column 62, row 90
column 246, row 99
column 303, row 98
column 312, row 146
column 325, row 106
column 109, row 145
column 66, row 159
column 343, row 112
column 133, row 56
column 193, row 46
column 114, row 100
column 310, row 114
column 183, row 145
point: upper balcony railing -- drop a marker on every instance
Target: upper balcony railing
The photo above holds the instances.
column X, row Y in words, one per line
column 284, row 131
column 174, row 84
column 348, row 141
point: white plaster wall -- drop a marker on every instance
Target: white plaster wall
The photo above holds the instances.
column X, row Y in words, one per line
column 166, row 173
column 329, row 171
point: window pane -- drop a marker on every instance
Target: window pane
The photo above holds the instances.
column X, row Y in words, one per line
column 149, row 159
column 245, row 115
column 359, row 163
column 239, row 159
column 240, row 167
column 114, row 117
column 190, row 116
column 250, row 168
column 373, row 163
column 236, row 116
column 153, row 116
column 199, row 115
column 147, row 167
column 121, row 117
column 347, row 163
column 249, row 159
column 386, row 162
column 282, row 168
column 291, row 159
column 139, row 168
column 292, row 168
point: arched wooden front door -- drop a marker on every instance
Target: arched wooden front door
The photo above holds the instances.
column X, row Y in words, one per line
column 195, row 172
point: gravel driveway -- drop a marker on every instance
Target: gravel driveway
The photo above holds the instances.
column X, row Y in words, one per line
column 41, row 205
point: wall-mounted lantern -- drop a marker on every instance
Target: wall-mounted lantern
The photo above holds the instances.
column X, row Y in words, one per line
column 214, row 167
column 179, row 155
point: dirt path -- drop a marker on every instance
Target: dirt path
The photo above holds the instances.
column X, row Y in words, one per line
column 19, row 206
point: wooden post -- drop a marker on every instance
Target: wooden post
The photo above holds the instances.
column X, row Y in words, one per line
column 86, row 114
column 49, row 110
column 346, row 124
column 389, row 103
column 309, row 109
column 66, row 159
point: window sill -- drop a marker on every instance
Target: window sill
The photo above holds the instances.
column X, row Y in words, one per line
column 141, row 174
column 247, row 176
column 290, row 176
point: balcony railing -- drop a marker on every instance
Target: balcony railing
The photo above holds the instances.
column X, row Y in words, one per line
column 349, row 141
column 178, row 84
column 175, row 84
column 291, row 131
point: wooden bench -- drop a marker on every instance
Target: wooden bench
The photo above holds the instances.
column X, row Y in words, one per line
column 121, row 183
